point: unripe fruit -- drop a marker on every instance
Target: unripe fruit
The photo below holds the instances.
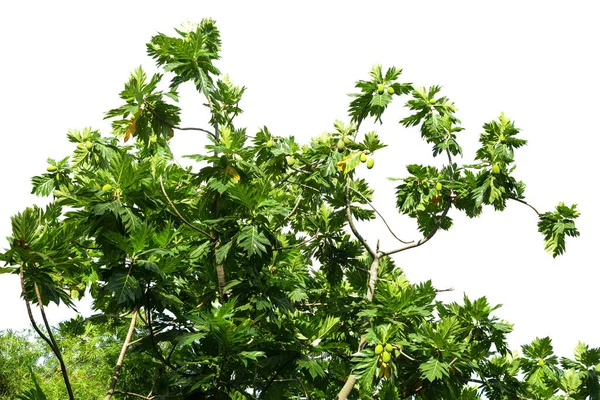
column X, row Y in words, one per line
column 496, row 169
column 378, row 349
column 386, row 357
column 80, row 146
column 363, row 157
column 389, row 348
column 341, row 145
column 390, row 90
column 153, row 139
column 291, row 161
column 438, row 186
column 57, row 193
column 380, row 88
column 347, row 140
column 502, row 137
column 107, row 187
column 431, row 101
column 89, row 145
column 269, row 143
column 370, row 163
column 51, row 168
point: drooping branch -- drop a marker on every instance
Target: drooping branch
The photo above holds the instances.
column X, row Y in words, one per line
column 351, row 221
column 29, row 312
column 170, row 125
column 152, row 332
column 380, row 216
column 527, row 204
column 372, row 280
column 305, row 241
column 51, row 343
column 115, row 377
column 425, row 239
column 55, row 348
column 185, row 221
column 140, row 396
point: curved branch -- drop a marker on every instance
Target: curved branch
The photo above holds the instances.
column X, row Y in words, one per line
column 55, row 348
column 151, row 332
column 351, row 221
column 185, row 221
column 298, row 244
column 141, row 396
column 51, row 343
column 29, row 312
column 380, row 216
column 425, row 239
column 115, row 377
column 527, row 204
column 170, row 125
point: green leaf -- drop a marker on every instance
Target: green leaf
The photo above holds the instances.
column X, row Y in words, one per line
column 251, row 240
column 555, row 226
column 125, row 287
column 434, row 369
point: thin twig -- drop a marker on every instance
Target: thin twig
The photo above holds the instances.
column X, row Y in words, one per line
column 380, row 216
column 170, row 125
column 407, row 356
column 303, row 388
column 141, row 396
column 293, row 209
column 115, row 377
column 310, row 239
column 425, row 239
column 151, row 332
column 527, row 204
column 29, row 312
column 185, row 221
column 51, row 343
column 55, row 348
column 351, row 221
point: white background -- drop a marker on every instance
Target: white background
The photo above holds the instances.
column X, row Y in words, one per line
column 62, row 65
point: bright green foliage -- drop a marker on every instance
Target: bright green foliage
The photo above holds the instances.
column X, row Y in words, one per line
column 249, row 275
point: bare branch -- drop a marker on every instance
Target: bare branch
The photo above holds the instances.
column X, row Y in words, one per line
column 306, row 396
column 51, row 342
column 185, row 221
column 141, row 396
column 115, row 377
column 351, row 222
column 55, row 348
column 425, row 239
column 298, row 244
column 380, row 216
column 527, row 204
column 170, row 125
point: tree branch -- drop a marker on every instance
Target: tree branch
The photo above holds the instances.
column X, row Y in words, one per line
column 373, row 272
column 141, row 396
column 55, row 348
column 51, row 343
column 425, row 239
column 380, row 216
column 185, row 221
column 307, row 240
column 115, row 377
column 527, row 204
column 351, row 222
column 170, row 125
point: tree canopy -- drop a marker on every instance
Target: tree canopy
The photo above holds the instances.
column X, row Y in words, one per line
column 245, row 275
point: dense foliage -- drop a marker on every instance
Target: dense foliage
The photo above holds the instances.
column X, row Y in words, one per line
column 245, row 276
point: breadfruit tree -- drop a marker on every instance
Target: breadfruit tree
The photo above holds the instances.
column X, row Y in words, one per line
column 245, row 275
